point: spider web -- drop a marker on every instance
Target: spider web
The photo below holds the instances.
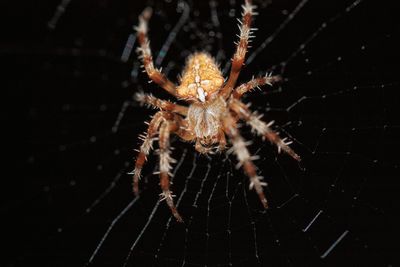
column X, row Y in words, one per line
column 73, row 206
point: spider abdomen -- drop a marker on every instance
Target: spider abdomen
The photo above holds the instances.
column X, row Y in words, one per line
column 201, row 78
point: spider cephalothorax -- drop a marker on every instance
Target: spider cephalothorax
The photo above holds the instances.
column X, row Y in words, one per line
column 213, row 112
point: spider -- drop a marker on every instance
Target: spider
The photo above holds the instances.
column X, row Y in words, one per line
column 213, row 112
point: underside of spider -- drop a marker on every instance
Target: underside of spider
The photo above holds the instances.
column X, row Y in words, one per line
column 213, row 112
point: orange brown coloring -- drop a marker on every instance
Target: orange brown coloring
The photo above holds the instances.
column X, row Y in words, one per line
column 213, row 113
column 201, row 78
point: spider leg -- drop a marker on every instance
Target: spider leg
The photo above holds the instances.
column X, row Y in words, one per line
column 165, row 165
column 244, row 158
column 183, row 132
column 145, row 53
column 146, row 147
column 241, row 48
column 254, row 83
column 261, row 128
column 154, row 102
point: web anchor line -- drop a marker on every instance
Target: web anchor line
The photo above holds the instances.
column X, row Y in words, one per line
column 326, row 253
column 312, row 221
column 281, row 27
column 253, row 226
column 322, row 27
column 58, row 14
column 116, row 219
column 172, row 35
column 125, row 105
column 217, row 26
column 130, row 44
column 109, row 229
column 168, row 224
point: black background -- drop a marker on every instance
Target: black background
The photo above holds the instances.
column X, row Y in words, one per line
column 64, row 90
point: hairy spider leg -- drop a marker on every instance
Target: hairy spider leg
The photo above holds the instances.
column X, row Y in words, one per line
column 146, row 147
column 152, row 101
column 165, row 165
column 145, row 54
column 241, row 48
column 245, row 160
column 261, row 128
column 163, row 123
column 255, row 83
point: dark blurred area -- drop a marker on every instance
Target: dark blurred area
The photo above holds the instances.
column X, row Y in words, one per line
column 65, row 86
